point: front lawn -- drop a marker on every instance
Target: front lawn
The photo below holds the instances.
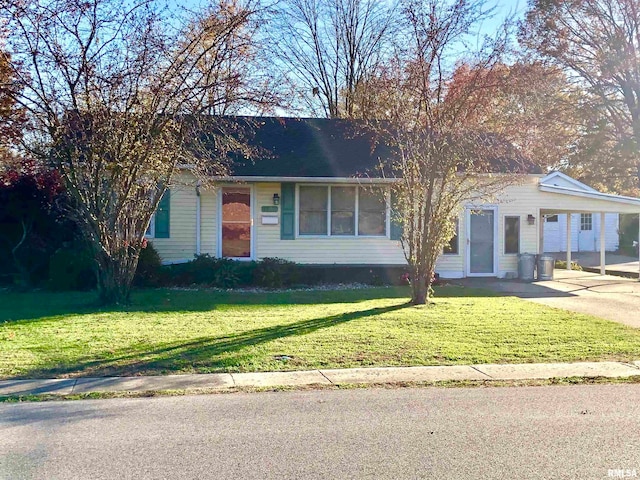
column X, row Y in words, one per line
column 177, row 331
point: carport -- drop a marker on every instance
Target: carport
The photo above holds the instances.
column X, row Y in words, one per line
column 565, row 195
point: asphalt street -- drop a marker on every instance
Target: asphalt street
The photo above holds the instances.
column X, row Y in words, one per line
column 588, row 431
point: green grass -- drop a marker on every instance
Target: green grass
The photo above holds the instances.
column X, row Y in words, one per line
column 174, row 331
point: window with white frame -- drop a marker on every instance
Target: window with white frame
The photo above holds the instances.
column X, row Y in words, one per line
column 342, row 211
column 586, row 221
column 511, row 235
column 151, row 229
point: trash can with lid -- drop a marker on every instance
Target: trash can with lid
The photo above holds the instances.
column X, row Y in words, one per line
column 526, row 266
column 546, row 264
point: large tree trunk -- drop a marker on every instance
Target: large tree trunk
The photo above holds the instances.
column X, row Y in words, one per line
column 419, row 295
column 421, row 281
column 115, row 276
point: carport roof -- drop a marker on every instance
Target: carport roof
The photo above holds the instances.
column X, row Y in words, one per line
column 559, row 183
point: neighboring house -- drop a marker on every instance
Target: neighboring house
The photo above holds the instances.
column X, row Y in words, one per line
column 310, row 201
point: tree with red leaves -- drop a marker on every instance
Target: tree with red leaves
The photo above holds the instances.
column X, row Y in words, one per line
column 31, row 220
column 12, row 116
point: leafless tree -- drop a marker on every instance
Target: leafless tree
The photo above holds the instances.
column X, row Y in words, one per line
column 113, row 90
column 442, row 158
column 330, row 47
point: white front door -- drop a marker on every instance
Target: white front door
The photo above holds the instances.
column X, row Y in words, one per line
column 236, row 223
column 482, row 242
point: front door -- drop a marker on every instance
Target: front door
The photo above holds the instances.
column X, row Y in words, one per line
column 481, row 254
column 236, row 225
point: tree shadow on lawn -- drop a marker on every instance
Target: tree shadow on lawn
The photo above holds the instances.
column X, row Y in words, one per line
column 210, row 353
column 42, row 305
column 38, row 305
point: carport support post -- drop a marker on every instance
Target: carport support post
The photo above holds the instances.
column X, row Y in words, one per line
column 568, row 240
column 602, row 246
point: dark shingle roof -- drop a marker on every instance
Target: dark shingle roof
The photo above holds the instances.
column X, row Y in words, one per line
column 308, row 147
column 321, row 147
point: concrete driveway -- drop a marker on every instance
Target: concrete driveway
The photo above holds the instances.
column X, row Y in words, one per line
column 619, row 265
column 605, row 296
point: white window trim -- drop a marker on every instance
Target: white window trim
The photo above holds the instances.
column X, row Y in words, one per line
column 152, row 228
column 328, row 186
column 496, row 240
column 583, row 222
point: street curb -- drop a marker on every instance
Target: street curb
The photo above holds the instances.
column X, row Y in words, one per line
column 351, row 376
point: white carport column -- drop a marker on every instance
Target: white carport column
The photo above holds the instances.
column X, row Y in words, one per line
column 602, row 246
column 568, row 240
column 540, row 233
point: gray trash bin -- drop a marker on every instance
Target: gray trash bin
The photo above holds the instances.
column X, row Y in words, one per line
column 545, row 267
column 526, row 266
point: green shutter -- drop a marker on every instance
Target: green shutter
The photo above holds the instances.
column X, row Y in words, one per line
column 288, row 204
column 163, row 216
column 396, row 225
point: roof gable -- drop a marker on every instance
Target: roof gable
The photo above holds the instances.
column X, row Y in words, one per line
column 559, row 179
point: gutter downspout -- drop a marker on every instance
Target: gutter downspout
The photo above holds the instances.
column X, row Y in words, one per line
column 198, row 185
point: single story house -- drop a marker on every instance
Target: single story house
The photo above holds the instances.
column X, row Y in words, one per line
column 311, row 202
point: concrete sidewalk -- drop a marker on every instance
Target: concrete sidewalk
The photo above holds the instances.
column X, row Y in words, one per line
column 226, row 381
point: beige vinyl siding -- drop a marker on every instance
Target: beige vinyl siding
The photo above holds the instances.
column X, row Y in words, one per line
column 517, row 200
column 181, row 244
column 526, row 199
column 450, row 265
column 209, row 222
column 529, row 198
column 330, row 250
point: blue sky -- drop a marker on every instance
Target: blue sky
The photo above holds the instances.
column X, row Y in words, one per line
column 503, row 9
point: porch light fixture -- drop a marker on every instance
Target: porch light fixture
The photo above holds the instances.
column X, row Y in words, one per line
column 531, row 220
column 276, row 199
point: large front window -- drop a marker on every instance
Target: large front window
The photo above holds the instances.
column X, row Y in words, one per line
column 342, row 211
